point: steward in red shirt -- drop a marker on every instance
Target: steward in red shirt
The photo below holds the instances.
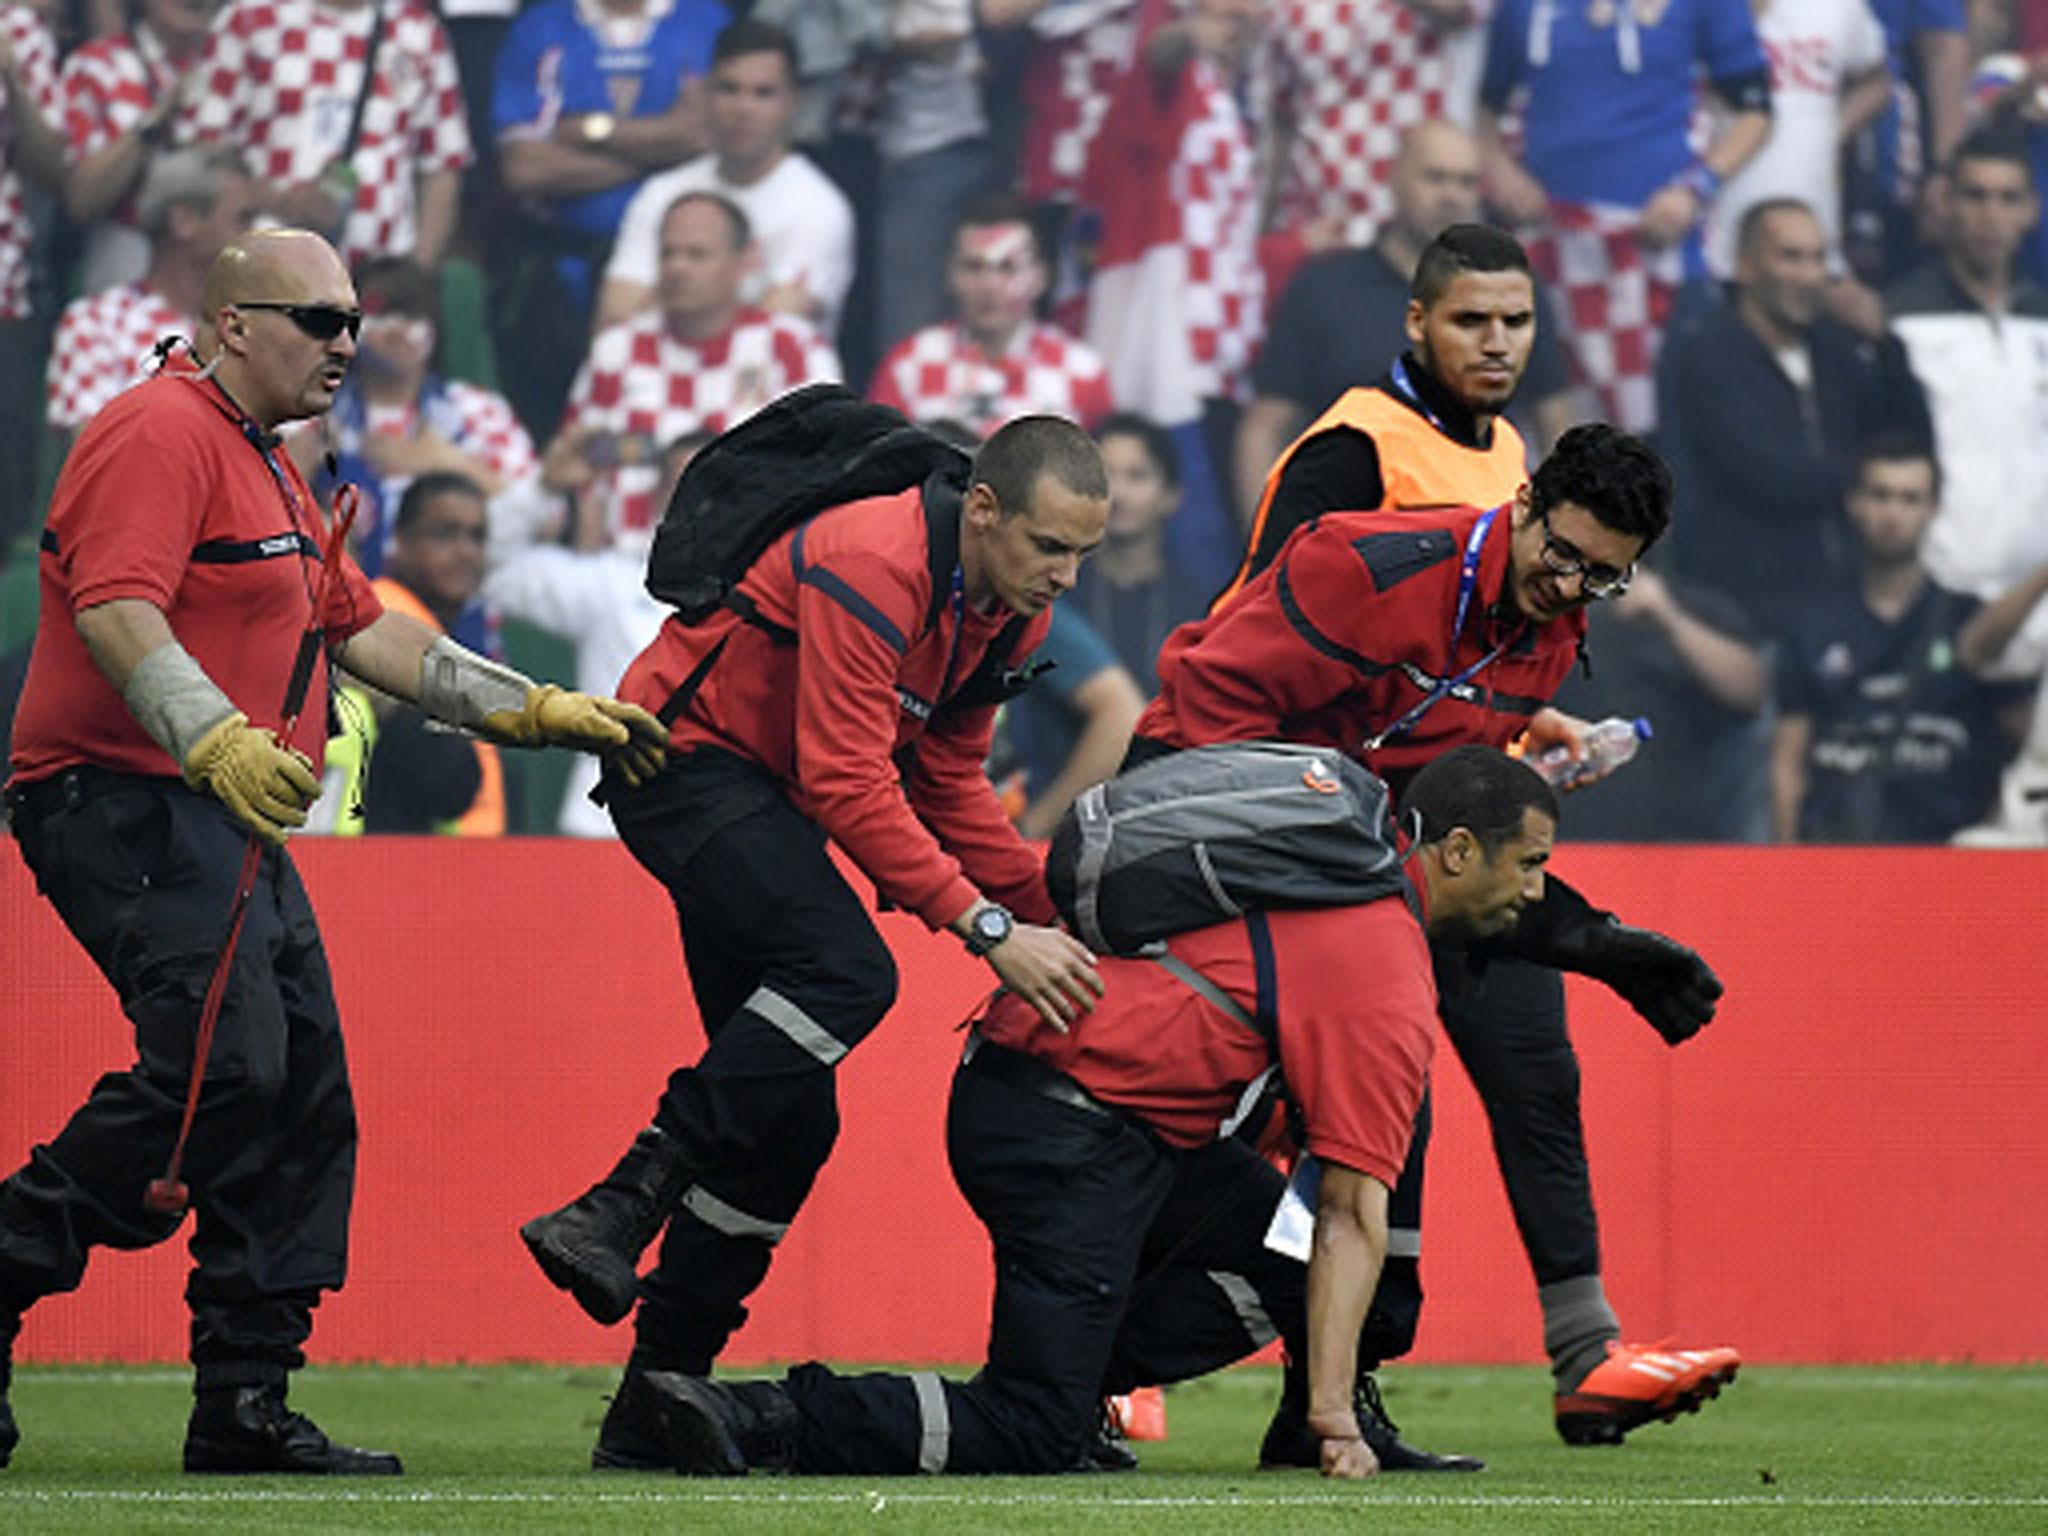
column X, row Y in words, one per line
column 183, row 569
column 1129, row 1223
column 1392, row 636
column 835, row 699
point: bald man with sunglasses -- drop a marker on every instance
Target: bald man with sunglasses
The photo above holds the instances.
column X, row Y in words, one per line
column 182, row 565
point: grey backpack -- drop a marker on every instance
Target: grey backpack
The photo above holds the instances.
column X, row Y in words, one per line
column 1200, row 836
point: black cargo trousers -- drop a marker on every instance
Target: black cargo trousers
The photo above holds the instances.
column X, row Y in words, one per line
column 1506, row 1019
column 1119, row 1262
column 789, row 974
column 142, row 871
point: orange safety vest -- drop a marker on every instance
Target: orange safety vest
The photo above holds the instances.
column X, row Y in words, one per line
column 486, row 814
column 1419, row 465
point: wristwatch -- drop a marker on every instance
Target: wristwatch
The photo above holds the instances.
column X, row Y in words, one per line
column 598, row 126
column 988, row 928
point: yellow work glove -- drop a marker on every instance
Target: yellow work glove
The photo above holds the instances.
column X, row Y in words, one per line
column 625, row 735
column 268, row 787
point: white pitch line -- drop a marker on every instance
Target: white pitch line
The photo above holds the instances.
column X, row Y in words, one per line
column 934, row 1497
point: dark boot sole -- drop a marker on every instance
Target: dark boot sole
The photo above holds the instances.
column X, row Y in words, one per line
column 1297, row 1452
column 1610, row 1428
column 602, row 1460
column 603, row 1285
column 223, row 1462
column 696, row 1439
column 1436, row 1464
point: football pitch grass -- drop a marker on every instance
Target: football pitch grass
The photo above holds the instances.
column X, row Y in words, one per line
column 1786, row 1449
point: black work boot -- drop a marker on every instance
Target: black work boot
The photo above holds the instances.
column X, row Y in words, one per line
column 1290, row 1442
column 10, row 1437
column 715, row 1429
column 630, row 1439
column 249, row 1429
column 591, row 1248
column 1107, row 1448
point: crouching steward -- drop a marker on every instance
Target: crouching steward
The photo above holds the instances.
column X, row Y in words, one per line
column 854, row 600
column 1135, row 1236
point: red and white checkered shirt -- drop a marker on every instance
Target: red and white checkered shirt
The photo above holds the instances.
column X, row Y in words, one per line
column 1352, row 76
column 1215, row 182
column 35, row 60
column 481, row 423
column 940, row 372
column 103, row 345
column 280, row 82
column 1615, row 297
column 645, row 388
column 110, row 84
column 1067, row 89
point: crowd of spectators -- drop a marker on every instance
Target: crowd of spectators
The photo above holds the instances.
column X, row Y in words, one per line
column 1799, row 241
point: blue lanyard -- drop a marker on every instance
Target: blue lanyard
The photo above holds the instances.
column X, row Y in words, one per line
column 1468, row 581
column 958, row 604
column 1406, row 387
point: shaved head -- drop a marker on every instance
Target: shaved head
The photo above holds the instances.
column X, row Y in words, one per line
column 293, row 266
column 276, row 329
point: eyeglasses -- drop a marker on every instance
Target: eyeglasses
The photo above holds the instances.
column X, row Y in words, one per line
column 1564, row 559
column 322, row 322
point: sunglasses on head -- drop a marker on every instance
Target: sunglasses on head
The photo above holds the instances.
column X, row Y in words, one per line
column 322, row 322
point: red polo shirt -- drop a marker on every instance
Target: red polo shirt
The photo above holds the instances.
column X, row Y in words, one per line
column 1354, row 1003
column 166, row 499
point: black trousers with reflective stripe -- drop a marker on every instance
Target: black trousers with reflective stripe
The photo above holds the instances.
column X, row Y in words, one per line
column 1507, row 1022
column 142, row 872
column 789, row 973
column 1118, row 1262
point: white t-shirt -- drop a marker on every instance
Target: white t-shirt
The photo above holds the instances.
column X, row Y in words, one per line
column 802, row 224
column 1814, row 47
column 598, row 600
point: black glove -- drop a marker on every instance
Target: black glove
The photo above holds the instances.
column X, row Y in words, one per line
column 1658, row 977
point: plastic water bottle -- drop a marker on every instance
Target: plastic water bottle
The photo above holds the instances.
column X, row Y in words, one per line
column 1609, row 744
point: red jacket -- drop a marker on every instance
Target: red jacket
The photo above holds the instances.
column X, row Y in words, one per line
column 844, row 716
column 1348, row 629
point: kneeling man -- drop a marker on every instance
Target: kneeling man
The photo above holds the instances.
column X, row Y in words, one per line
column 1129, row 1222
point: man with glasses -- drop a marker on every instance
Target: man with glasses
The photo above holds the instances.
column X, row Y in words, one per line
column 183, row 572
column 1393, row 636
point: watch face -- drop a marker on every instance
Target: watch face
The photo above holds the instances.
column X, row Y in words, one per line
column 992, row 925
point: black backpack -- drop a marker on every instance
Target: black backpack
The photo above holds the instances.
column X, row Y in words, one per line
column 1212, row 833
column 804, row 453
column 809, row 450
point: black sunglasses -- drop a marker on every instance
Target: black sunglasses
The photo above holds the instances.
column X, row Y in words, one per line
column 322, row 322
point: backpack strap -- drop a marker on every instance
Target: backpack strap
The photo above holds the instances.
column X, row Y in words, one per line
column 1206, row 989
column 1262, row 1018
column 1266, row 1007
column 942, row 497
column 686, row 690
column 994, row 680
